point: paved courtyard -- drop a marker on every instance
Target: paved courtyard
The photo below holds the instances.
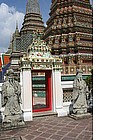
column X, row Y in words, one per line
column 52, row 128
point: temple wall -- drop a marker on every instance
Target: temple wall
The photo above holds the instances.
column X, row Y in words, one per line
column 66, row 85
column 27, row 112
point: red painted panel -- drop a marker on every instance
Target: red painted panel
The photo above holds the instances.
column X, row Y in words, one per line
column 48, row 75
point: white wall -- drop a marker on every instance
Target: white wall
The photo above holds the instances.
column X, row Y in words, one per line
column 27, row 107
column 67, row 84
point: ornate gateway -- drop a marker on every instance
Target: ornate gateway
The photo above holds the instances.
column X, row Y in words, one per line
column 41, row 79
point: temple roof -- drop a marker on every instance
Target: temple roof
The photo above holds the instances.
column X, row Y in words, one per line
column 39, row 49
column 5, row 59
column 32, row 7
column 39, row 55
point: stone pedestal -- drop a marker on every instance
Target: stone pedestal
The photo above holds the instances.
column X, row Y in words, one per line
column 14, row 125
column 80, row 116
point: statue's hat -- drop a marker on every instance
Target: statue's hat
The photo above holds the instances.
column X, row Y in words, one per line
column 10, row 72
column 79, row 71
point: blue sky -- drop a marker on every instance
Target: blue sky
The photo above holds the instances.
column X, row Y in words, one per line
column 12, row 11
column 20, row 5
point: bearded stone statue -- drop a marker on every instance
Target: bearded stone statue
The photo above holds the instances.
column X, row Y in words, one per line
column 11, row 100
column 79, row 94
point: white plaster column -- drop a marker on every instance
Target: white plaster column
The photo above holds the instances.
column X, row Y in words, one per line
column 53, row 93
column 1, row 108
column 0, row 95
column 26, row 93
column 58, row 94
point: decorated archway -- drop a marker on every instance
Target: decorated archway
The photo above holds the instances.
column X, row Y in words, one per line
column 41, row 80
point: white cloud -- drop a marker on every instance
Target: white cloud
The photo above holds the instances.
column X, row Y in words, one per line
column 8, row 18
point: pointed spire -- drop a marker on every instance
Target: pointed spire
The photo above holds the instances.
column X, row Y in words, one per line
column 11, row 37
column 32, row 7
column 17, row 31
column 10, row 48
column 16, row 24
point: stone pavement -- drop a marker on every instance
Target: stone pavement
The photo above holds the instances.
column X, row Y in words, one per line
column 52, row 128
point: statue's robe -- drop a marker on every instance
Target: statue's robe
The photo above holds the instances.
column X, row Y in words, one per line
column 79, row 96
column 11, row 99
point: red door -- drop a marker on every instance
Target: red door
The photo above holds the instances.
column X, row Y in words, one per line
column 41, row 90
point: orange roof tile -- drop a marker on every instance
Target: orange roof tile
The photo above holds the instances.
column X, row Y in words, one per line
column 6, row 59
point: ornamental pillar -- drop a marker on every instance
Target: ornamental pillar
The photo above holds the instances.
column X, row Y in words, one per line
column 58, row 93
column 26, row 91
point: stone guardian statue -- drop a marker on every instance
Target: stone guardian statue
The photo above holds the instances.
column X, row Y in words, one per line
column 79, row 94
column 11, row 100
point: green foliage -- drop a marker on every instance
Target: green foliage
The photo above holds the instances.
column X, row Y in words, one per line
column 89, row 80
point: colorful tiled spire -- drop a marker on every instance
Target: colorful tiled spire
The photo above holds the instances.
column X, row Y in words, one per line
column 32, row 7
column 32, row 22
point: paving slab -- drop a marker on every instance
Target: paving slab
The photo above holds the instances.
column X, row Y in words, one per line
column 52, row 128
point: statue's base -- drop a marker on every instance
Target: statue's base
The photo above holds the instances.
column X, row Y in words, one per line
column 10, row 126
column 80, row 116
column 14, row 138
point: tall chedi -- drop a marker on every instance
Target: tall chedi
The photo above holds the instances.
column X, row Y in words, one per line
column 32, row 22
column 69, row 34
column 23, row 38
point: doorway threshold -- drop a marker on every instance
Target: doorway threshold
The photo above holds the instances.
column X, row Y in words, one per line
column 44, row 113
